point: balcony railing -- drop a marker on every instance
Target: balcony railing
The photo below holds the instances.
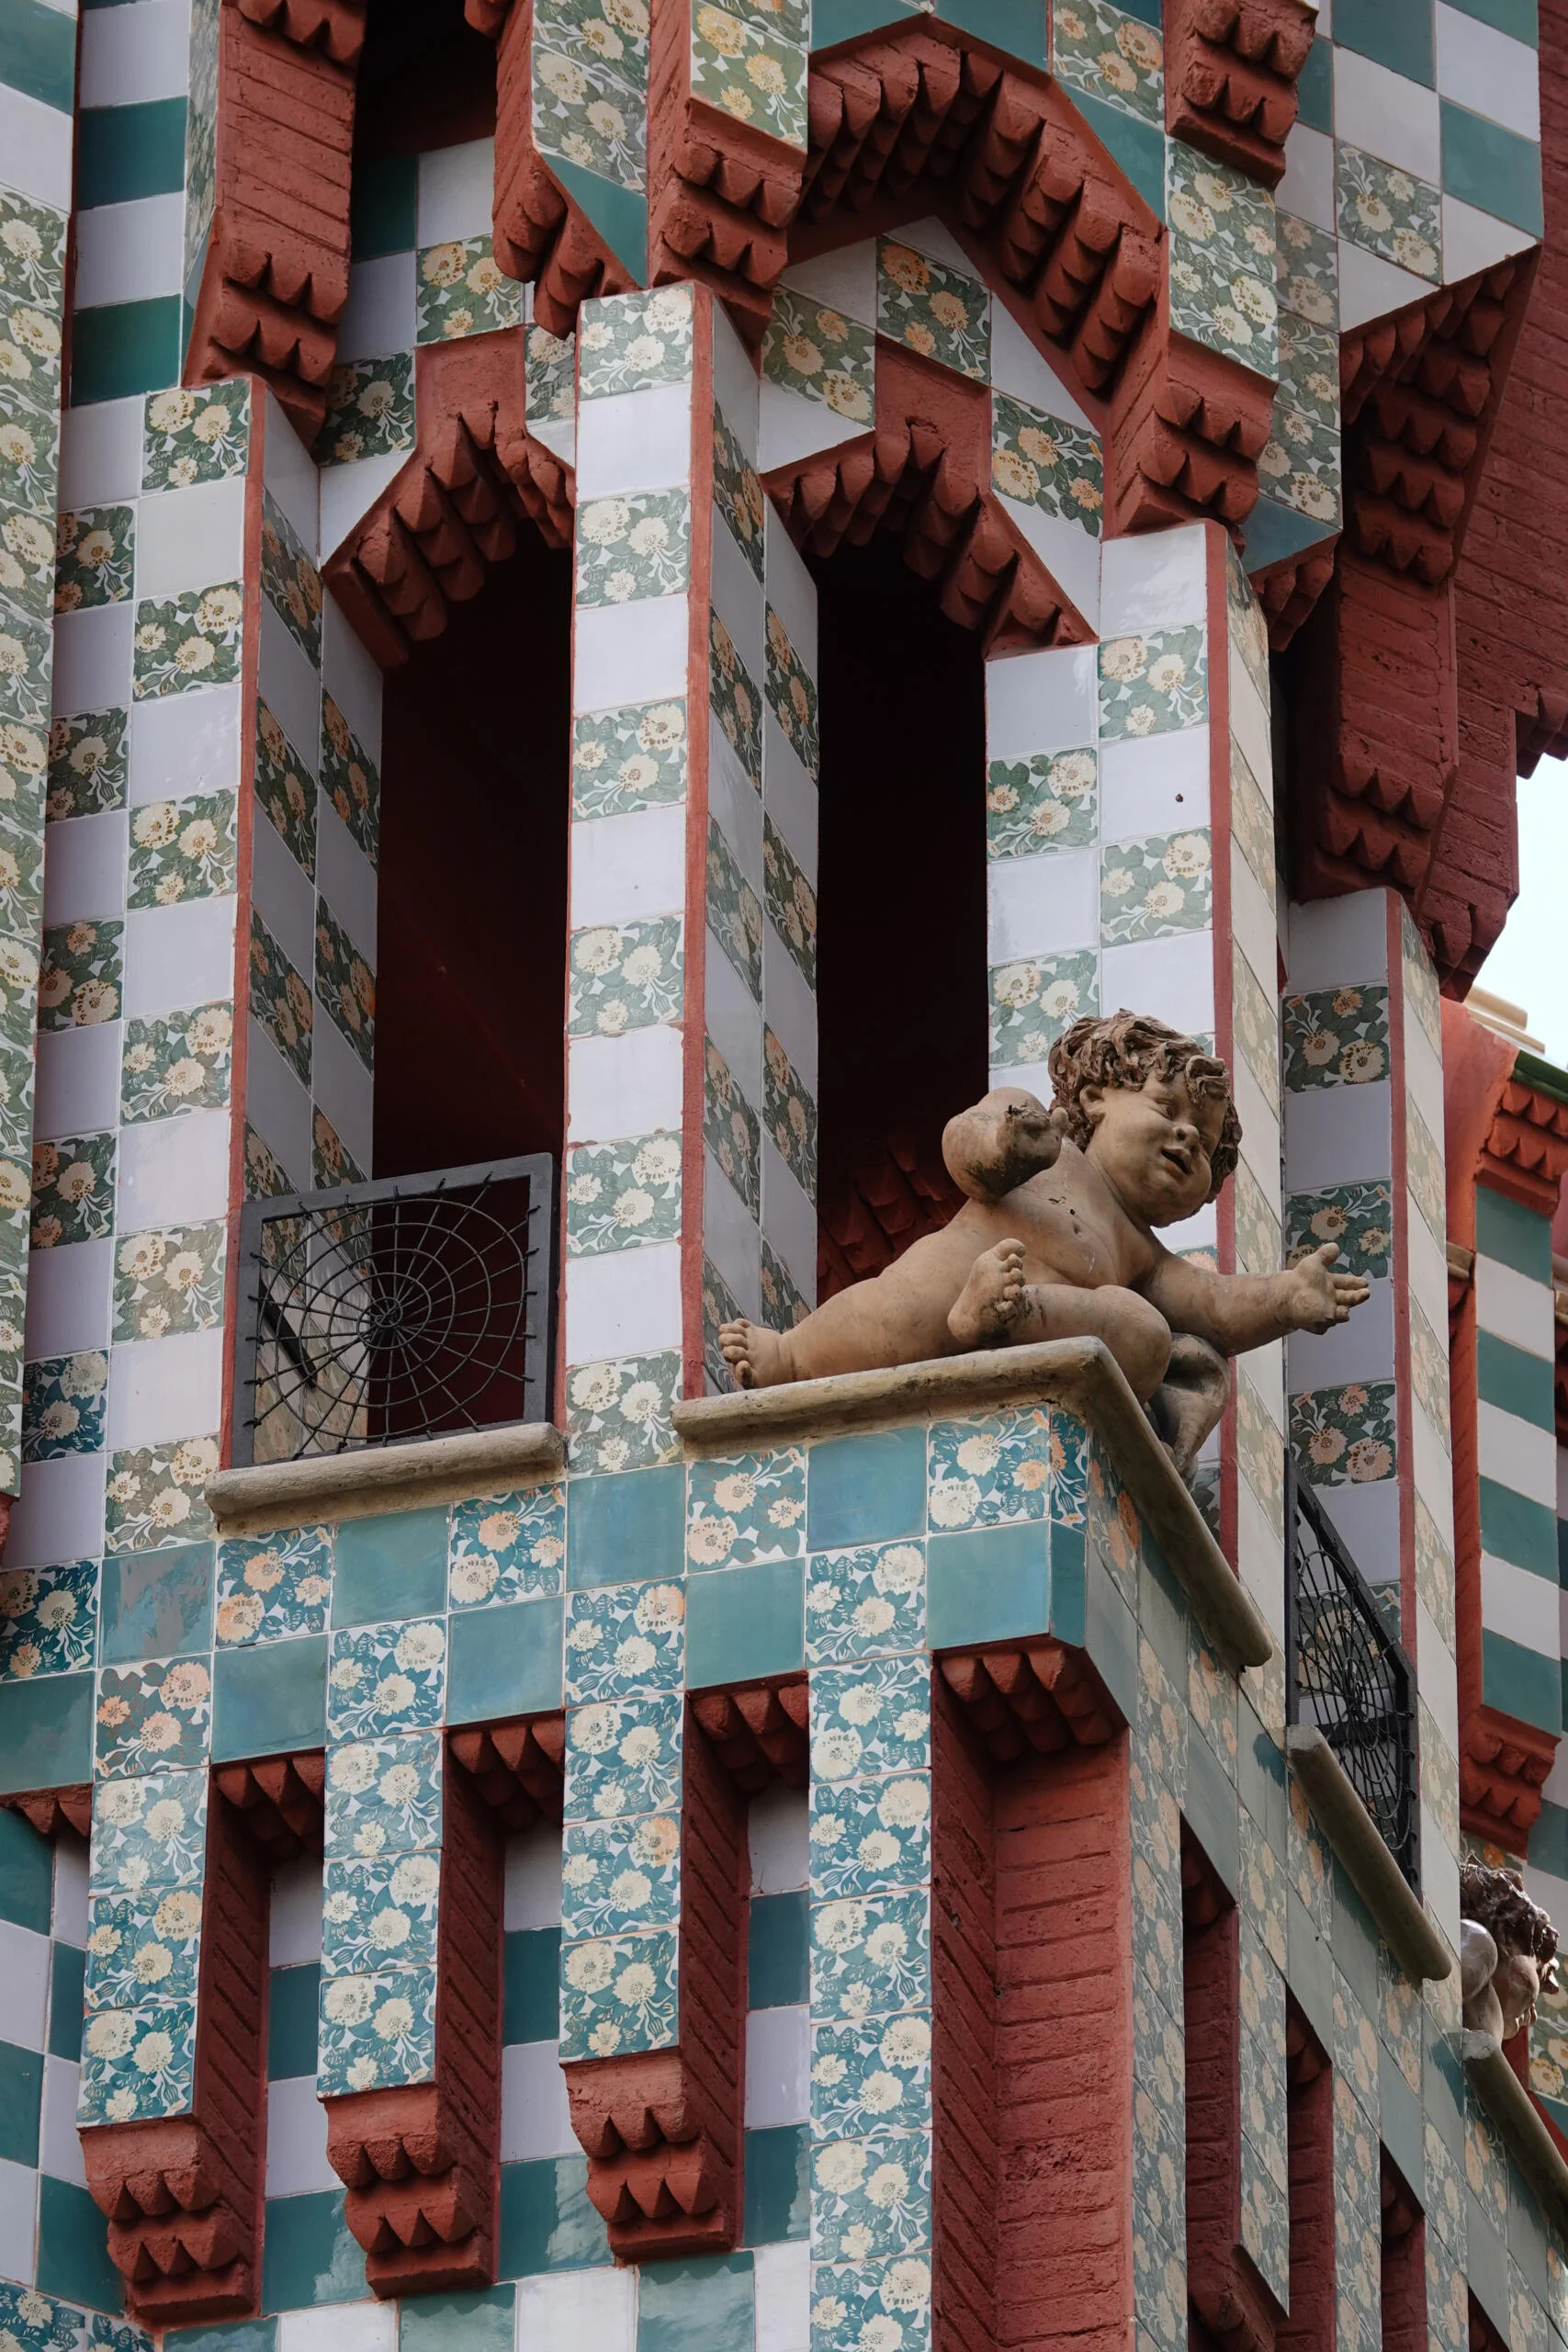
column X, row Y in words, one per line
column 1347, row 1676
column 408, row 1309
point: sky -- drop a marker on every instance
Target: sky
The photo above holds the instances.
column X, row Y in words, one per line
column 1529, row 964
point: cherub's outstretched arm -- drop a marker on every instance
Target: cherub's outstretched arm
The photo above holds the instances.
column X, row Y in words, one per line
column 1005, row 1138
column 1235, row 1312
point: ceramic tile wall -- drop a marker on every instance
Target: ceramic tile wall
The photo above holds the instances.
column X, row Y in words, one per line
column 146, row 108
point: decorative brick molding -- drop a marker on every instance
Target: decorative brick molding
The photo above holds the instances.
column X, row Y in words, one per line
column 1404, row 2281
column 1223, row 2284
column 1289, row 591
column 883, row 1206
column 517, row 1768
column 1309, row 2158
column 967, row 2152
column 539, row 233
column 421, row 2164
column 1188, row 428
column 183, row 2194
column 279, row 1800
column 758, row 1735
column 276, row 277
column 1501, row 1775
column 1231, row 68
column 1038, row 1697
column 662, row 2130
column 475, row 475
column 49, row 1810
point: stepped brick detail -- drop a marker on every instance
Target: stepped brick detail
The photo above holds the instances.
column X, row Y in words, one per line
column 517, row 1768
column 1403, row 2264
column 279, row 1800
column 184, row 2194
column 421, row 2164
column 1035, row 1698
column 662, row 2132
column 1188, row 428
column 538, row 232
column 49, row 1810
column 1223, row 2284
column 758, row 1735
column 1309, row 2158
column 1231, row 68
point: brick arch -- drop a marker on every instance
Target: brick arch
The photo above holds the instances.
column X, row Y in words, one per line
column 474, row 475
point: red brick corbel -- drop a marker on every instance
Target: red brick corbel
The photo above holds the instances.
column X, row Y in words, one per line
column 1231, row 68
column 1187, row 427
column 662, row 2132
column 421, row 2164
column 50, row 1809
column 276, row 277
column 184, row 2197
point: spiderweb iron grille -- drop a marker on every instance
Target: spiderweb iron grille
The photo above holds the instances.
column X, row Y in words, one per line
column 1345, row 1675
column 379, row 1313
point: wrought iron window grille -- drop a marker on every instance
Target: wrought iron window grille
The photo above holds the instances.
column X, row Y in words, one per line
column 1346, row 1674
column 375, row 1314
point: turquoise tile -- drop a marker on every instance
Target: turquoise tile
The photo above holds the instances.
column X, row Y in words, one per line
column 124, row 347
column 1110, row 1636
column 1486, row 2268
column 484, row 2320
column 626, row 1528
column 986, row 1584
column 1069, row 1585
column 531, row 2002
column 37, row 56
column 778, row 2184
column 506, row 1661
column 1549, row 1841
column 547, row 2222
column 1518, row 1237
column 46, row 1732
column 704, row 2306
column 1522, row 1682
column 1514, row 1528
column 1401, row 2120
column 619, row 214
column 1312, row 1968
column 1017, row 27
column 1514, row 1380
column 1314, row 88
column 73, row 2248
column 156, row 1605
column 67, row 1967
column 865, row 1490
column 1136, row 145
column 270, row 1700
column 1517, row 18
column 245, row 2335
column 1211, row 1810
column 778, row 1968
column 21, row 2098
column 742, row 1623
column 27, row 1873
column 836, row 20
column 291, row 2003
column 1494, row 169
column 381, row 206
column 387, row 1569
column 309, row 2255
column 123, row 153
column 1261, row 1778
column 1396, row 33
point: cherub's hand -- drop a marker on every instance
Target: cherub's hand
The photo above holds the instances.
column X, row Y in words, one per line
column 1320, row 1297
column 1031, row 1136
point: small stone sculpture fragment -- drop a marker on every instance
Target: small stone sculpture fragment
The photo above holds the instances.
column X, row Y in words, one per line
column 1507, row 1951
column 1057, row 1239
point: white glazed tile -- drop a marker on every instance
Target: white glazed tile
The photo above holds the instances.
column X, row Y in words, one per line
column 1386, row 115
column 60, row 2144
column 190, row 538
column 128, row 253
column 172, row 1171
column 24, row 1971
column 1362, row 1349
column 83, row 867
column 1252, row 925
column 1154, row 582
column 350, row 675
column 58, row 1515
column 629, row 866
column 1514, row 1307
column 734, row 384
column 1041, row 702
column 1473, row 240
column 782, row 2277
column 162, row 1389
column 77, row 1090
column 1040, row 905
column 382, row 313
column 1367, row 1520
column 289, row 685
column 790, row 590
column 340, row 2327
column 283, row 897
column 791, row 1010
column 626, row 1303
column 131, row 55
column 778, row 2067
column 1370, row 288
column 1487, row 73
column 1069, row 554
column 100, row 446
column 68, row 1917
column 535, row 2116
column 629, row 441
column 178, row 956
column 277, row 1107
column 295, row 1935
column 1517, row 1454
column 342, row 1085
column 38, row 143
column 1160, row 786
column 790, row 798
column 1249, row 721
column 92, row 658
column 629, row 653
column 1177, row 974
column 456, row 192
column 562, row 2308
column 777, row 1826
column 1424, row 1078
column 348, row 491
column 624, row 1086
column 738, row 599
column 1019, row 370
column 1307, row 188
column 790, row 426
column 733, row 805
column 1521, row 1607
column 1338, row 943
column 731, row 1238
column 187, row 743
column 296, row 2139
column 734, row 1022
column 345, row 878
column 845, row 280
column 789, row 1219
column 533, row 1879
column 1337, row 1134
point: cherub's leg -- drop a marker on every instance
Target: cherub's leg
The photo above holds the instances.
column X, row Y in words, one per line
column 884, row 1321
column 1190, row 1399
column 998, row 1308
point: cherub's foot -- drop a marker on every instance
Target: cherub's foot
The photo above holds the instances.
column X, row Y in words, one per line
column 991, row 1301
column 756, row 1356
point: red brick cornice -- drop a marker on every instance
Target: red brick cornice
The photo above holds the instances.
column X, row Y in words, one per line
column 1231, row 68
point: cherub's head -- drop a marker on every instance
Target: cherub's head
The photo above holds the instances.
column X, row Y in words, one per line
column 1151, row 1108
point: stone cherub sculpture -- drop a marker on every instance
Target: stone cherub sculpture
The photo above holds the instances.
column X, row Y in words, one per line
column 1507, row 1951
column 1057, row 1239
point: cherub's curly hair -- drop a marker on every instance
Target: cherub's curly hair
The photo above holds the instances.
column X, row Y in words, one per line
column 1496, row 1900
column 1124, row 1049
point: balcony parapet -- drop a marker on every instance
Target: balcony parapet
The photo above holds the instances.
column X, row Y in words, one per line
column 373, row 1479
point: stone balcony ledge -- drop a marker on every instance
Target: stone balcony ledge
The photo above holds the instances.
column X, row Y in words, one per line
column 373, row 1479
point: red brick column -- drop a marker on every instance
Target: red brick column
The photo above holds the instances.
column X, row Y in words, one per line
column 1310, row 2123
column 1223, row 2285
column 967, row 2162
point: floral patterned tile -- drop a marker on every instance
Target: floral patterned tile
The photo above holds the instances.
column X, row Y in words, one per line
column 196, row 436
column 148, row 1830
column 274, row 1586
column 627, row 977
column 871, row 1717
column 1424, row 1167
column 72, row 1198
column 49, row 1619
column 504, row 1547
column 332, row 1163
column 462, row 291
column 1034, row 1000
column 1222, row 258
column 984, row 1471
column 720, row 1306
column 192, row 639
column 345, row 985
column 789, row 1115
column 622, row 1195
column 1358, row 1217
column 1110, row 55
column 631, row 342
column 783, row 1303
column 182, row 849
column 943, row 313
column 591, row 94
column 748, row 73
column 285, row 788
column 281, row 1000
column 378, row 1914
column 26, row 655
column 141, row 1946
column 870, row 1955
column 1435, row 1575
column 872, row 2076
column 868, row 1602
column 731, row 1129
column 87, row 763
column 624, row 1761
column 1258, row 1242
column 291, row 581
column 96, row 558
column 1420, row 980
column 1252, row 820
column 737, row 495
column 1257, row 1030
column 633, row 547
column 138, row 2063
column 376, row 2031
column 790, row 900
column 1047, row 801
column 871, row 2198
column 1429, row 1372
column 384, row 1795
column 859, row 2303
column 792, row 694
column 734, row 700
column 1335, row 1037
column 385, row 1678
column 1301, row 461
column 1388, row 212
column 618, row 1994
column 79, row 983
column 1307, row 277
column 1038, row 460
column 1155, row 887
column 369, row 414
column 351, row 780
column 624, row 1639
column 32, row 265
column 869, row 1835
column 153, row 1718
column 28, row 556
column 176, row 1061
column 620, row 1876
column 815, row 351
column 63, row 1404
column 1114, row 1523
column 1244, row 624
column 618, row 1412
column 628, row 759
column 549, row 391
column 1345, row 1435
column 1154, row 684
column 29, row 446
column 154, row 1495
column 748, row 1507
column 734, row 912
